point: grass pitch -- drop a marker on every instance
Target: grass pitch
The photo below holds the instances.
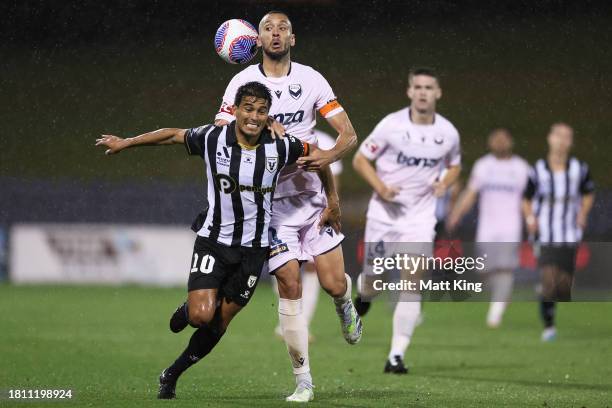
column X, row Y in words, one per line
column 109, row 344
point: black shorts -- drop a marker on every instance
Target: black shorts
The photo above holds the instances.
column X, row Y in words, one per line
column 563, row 257
column 234, row 271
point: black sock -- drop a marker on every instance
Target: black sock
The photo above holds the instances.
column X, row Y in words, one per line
column 201, row 343
column 547, row 312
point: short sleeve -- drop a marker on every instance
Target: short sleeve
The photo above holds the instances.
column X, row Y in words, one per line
column 453, row 158
column 587, row 185
column 295, row 149
column 475, row 183
column 376, row 142
column 327, row 103
column 226, row 110
column 195, row 140
column 532, row 185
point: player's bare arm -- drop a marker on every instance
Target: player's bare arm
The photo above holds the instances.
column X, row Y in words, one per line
column 347, row 139
column 464, row 204
column 331, row 214
column 364, row 167
column 530, row 219
column 585, row 209
column 452, row 174
column 164, row 136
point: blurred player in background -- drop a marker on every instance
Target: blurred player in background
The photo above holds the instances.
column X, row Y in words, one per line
column 295, row 231
column 497, row 182
column 310, row 281
column 558, row 199
column 410, row 148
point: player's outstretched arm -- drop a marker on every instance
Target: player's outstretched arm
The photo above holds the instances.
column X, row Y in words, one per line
column 164, row 136
column 365, row 169
column 347, row 139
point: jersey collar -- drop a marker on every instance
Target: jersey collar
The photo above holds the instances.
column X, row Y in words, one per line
column 260, row 66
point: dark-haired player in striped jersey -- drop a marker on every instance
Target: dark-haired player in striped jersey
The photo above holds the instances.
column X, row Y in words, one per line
column 556, row 206
column 242, row 164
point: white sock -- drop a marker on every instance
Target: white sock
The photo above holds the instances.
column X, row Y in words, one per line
column 495, row 313
column 501, row 291
column 340, row 301
column 295, row 333
column 501, row 286
column 310, row 295
column 405, row 320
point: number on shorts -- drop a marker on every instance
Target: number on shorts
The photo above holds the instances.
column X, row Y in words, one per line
column 206, row 264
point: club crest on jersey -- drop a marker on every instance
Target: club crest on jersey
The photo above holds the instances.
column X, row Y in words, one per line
column 295, row 90
column 271, row 164
column 251, row 281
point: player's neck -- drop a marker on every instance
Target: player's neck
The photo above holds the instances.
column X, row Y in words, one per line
column 246, row 140
column 421, row 118
column 557, row 160
column 276, row 68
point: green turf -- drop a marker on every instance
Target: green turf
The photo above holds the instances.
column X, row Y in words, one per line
column 109, row 345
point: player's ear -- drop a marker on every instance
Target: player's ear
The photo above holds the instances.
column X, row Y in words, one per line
column 292, row 40
column 258, row 42
column 438, row 93
column 409, row 92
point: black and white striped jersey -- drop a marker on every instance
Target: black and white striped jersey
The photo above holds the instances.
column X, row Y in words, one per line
column 556, row 198
column 241, row 182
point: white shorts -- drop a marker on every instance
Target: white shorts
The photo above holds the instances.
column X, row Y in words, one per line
column 384, row 240
column 499, row 255
column 293, row 232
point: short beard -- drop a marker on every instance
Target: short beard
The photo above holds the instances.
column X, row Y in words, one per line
column 278, row 55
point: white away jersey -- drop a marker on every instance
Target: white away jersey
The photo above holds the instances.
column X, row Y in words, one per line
column 500, row 184
column 296, row 98
column 410, row 156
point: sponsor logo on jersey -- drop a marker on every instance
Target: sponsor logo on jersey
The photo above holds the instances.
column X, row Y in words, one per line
column 248, row 159
column 251, row 281
column 289, row 117
column 271, row 164
column 223, row 157
column 417, row 161
column 278, row 94
column 438, row 140
column 295, row 90
column 228, row 185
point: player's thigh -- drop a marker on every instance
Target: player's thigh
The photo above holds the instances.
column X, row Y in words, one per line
column 207, row 271
column 242, row 280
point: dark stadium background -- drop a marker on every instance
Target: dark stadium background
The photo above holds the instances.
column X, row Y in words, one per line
column 73, row 70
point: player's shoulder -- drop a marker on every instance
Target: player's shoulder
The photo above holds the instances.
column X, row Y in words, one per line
column 520, row 161
column 399, row 117
column 249, row 73
column 446, row 125
column 306, row 72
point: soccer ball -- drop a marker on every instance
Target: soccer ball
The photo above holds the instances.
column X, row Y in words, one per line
column 236, row 41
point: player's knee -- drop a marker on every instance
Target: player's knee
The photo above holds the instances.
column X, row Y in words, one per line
column 200, row 315
column 289, row 285
column 335, row 286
